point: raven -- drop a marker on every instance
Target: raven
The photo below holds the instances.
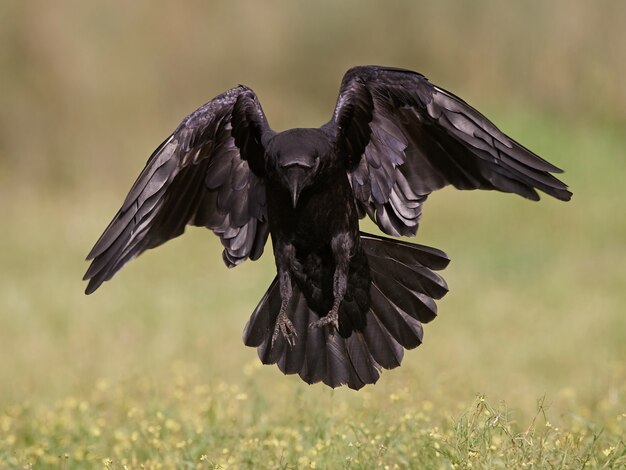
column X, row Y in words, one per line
column 344, row 303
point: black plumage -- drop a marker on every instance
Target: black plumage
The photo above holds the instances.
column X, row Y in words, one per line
column 344, row 304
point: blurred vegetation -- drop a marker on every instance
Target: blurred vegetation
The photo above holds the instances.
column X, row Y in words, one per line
column 80, row 78
column 151, row 369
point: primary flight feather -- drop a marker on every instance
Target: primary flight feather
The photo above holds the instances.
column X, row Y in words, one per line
column 344, row 304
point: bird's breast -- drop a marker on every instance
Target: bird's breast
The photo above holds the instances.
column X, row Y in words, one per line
column 321, row 212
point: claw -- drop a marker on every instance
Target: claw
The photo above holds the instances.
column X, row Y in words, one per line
column 331, row 319
column 286, row 328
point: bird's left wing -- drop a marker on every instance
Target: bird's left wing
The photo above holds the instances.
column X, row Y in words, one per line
column 404, row 138
column 208, row 173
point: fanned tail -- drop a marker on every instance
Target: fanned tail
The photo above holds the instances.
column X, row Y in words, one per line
column 403, row 292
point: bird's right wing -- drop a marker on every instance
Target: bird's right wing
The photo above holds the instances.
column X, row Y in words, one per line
column 208, row 173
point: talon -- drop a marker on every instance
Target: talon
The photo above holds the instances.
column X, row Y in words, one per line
column 286, row 328
column 331, row 319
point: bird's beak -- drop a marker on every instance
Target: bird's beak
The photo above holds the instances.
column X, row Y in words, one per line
column 295, row 193
column 296, row 180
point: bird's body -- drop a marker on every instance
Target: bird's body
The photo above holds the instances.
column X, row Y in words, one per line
column 323, row 209
column 321, row 231
column 343, row 303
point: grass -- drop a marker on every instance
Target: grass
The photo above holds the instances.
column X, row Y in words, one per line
column 185, row 423
column 524, row 368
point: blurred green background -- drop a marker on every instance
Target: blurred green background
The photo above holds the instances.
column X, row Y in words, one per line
column 88, row 89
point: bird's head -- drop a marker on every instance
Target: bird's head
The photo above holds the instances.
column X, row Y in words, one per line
column 298, row 172
column 297, row 159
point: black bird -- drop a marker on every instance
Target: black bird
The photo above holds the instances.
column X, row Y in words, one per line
column 344, row 303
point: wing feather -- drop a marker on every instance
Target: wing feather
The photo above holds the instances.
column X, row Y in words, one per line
column 414, row 138
column 200, row 175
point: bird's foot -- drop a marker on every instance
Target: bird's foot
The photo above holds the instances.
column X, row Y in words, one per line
column 331, row 319
column 286, row 328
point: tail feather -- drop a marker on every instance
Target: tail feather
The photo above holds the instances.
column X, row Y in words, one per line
column 428, row 256
column 314, row 367
column 263, row 317
column 402, row 296
column 410, row 300
column 339, row 369
column 361, row 359
column 415, row 278
column 385, row 350
column 394, row 322
column 292, row 360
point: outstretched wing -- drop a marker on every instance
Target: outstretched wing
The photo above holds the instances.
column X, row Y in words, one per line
column 208, row 173
column 404, row 138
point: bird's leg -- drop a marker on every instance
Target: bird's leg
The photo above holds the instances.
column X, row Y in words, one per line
column 342, row 247
column 285, row 258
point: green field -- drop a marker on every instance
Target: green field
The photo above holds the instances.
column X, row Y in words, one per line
column 525, row 367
